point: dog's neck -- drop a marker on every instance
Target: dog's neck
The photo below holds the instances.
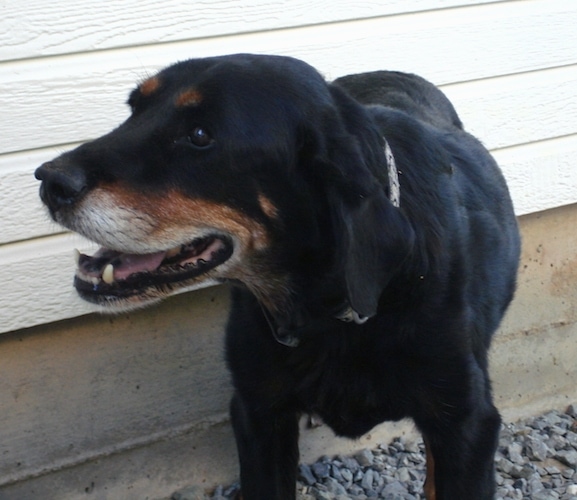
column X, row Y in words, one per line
column 290, row 337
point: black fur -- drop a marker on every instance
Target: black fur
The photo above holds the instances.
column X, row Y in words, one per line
column 434, row 276
column 443, row 267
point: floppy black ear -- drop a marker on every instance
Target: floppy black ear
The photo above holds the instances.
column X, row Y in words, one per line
column 372, row 236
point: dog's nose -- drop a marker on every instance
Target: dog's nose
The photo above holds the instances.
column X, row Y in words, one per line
column 61, row 186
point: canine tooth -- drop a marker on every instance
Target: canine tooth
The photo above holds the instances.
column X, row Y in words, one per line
column 108, row 274
column 76, row 256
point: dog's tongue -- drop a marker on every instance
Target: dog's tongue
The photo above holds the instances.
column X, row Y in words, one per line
column 124, row 264
column 132, row 263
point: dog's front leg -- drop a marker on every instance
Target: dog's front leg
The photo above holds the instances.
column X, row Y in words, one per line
column 267, row 445
column 460, row 456
column 460, row 426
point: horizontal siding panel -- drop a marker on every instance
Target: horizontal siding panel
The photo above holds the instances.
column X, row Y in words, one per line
column 541, row 175
column 39, row 28
column 454, row 45
column 39, row 275
column 519, row 109
column 62, row 100
column 23, row 216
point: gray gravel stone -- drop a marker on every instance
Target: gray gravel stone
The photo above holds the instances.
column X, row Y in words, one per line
column 536, row 449
column 394, row 490
column 321, row 470
column 306, row 475
column 367, row 481
column 364, row 458
column 514, row 452
column 568, row 457
column 334, row 487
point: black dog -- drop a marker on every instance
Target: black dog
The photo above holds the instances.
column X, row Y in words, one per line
column 372, row 239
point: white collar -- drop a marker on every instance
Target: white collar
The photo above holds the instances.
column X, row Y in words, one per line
column 394, row 185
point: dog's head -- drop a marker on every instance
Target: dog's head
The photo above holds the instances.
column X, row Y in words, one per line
column 245, row 168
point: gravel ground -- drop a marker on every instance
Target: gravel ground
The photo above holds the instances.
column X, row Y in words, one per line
column 536, row 460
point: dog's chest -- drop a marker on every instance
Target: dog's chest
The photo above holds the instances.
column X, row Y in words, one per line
column 351, row 391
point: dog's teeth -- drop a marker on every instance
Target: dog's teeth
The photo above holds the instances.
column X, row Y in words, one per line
column 76, row 256
column 108, row 274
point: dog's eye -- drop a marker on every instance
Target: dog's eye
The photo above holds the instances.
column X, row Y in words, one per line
column 200, row 138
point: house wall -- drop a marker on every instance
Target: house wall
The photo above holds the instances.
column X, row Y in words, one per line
column 66, row 69
column 136, row 406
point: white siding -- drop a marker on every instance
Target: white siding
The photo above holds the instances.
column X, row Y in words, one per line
column 66, row 68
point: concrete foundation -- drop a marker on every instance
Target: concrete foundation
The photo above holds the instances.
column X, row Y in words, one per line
column 135, row 406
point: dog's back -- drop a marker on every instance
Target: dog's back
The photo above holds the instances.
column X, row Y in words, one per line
column 407, row 92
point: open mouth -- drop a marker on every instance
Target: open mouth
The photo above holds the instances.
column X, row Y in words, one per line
column 110, row 276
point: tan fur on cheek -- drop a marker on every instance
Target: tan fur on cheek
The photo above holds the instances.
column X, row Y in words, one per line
column 171, row 216
column 100, row 218
column 119, row 218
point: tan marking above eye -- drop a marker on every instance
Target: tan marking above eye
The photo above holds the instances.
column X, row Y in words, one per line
column 267, row 207
column 190, row 97
column 149, row 86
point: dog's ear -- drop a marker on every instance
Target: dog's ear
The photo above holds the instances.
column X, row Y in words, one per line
column 372, row 237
